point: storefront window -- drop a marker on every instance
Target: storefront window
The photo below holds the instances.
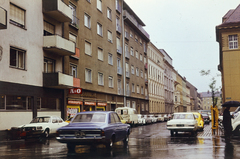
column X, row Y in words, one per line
column 2, row 102
column 50, row 103
column 15, row 102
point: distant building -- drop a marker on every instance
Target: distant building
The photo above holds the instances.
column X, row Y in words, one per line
column 207, row 100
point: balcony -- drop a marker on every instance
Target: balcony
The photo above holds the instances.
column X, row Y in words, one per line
column 127, row 35
column 118, row 8
column 135, row 24
column 119, row 28
column 3, row 18
column 58, row 45
column 127, row 54
column 57, row 9
column 60, row 81
column 119, row 50
column 127, row 74
column 119, row 70
column 75, row 22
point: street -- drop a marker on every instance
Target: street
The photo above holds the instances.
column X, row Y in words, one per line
column 148, row 141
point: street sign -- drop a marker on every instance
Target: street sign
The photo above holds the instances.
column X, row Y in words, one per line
column 75, row 91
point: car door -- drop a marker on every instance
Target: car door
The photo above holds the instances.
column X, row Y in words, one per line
column 54, row 124
column 121, row 127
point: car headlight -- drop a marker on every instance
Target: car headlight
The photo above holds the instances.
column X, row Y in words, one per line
column 39, row 128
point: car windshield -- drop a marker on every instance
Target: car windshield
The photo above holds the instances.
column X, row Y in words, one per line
column 91, row 117
column 183, row 116
column 40, row 120
column 204, row 115
column 196, row 116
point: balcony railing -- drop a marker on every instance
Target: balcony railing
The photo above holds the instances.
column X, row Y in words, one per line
column 3, row 18
column 118, row 8
column 119, row 49
column 75, row 21
column 60, row 80
column 119, row 70
column 58, row 45
column 57, row 9
column 127, row 35
column 119, row 28
column 127, row 54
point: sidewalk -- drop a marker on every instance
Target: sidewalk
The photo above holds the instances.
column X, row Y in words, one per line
column 208, row 131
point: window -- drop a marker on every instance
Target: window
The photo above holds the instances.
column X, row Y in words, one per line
column 118, row 26
column 141, row 73
column 133, row 104
column 136, row 38
column 74, row 15
column 73, row 38
column 127, row 68
column 109, row 13
column 17, row 58
column 136, row 54
column 138, row 91
column 137, row 72
column 99, row 29
column 110, row 78
column 88, row 49
column 144, row 60
column 87, row 20
column 131, row 34
column 119, row 85
column 141, row 57
column 110, row 59
column 233, row 41
column 131, row 51
column 109, row 36
column 140, row 41
column 133, row 87
column 99, row 5
column 119, row 62
column 100, row 54
column 49, row 29
column 142, row 106
column 100, row 79
column 128, row 103
column 142, row 90
column 73, row 70
column 132, row 69
column 49, row 65
column 17, row 16
column 88, row 75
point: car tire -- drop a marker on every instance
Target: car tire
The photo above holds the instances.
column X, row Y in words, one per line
column 109, row 145
column 46, row 133
column 71, row 147
column 125, row 141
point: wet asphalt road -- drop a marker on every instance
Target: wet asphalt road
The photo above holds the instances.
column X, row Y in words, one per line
column 146, row 142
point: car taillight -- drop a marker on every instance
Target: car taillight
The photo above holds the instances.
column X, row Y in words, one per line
column 103, row 133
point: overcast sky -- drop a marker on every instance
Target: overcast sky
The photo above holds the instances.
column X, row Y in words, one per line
column 185, row 29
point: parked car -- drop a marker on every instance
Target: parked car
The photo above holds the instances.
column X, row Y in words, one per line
column 200, row 121
column 147, row 119
column 141, row 120
column 92, row 128
column 206, row 118
column 166, row 118
column 42, row 126
column 122, row 120
column 128, row 114
column 154, row 119
column 182, row 122
column 159, row 117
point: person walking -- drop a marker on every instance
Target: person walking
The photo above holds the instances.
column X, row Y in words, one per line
column 227, row 123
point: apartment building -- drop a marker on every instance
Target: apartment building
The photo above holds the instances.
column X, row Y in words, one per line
column 136, row 61
column 155, row 80
column 207, row 100
column 193, row 95
column 227, row 35
column 34, row 45
column 168, row 82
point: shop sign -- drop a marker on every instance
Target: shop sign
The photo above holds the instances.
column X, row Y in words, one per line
column 90, row 103
column 102, row 104
column 75, row 91
column 75, row 102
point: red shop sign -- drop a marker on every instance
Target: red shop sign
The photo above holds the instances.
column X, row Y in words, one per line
column 75, row 102
column 75, row 91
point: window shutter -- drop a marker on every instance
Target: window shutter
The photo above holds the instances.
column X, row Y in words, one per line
column 88, row 48
column 17, row 14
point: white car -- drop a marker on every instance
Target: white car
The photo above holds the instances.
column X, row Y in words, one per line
column 182, row 122
column 159, row 117
column 42, row 126
column 154, row 119
column 147, row 119
column 141, row 120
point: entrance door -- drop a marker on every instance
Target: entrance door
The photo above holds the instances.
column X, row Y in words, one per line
column 113, row 107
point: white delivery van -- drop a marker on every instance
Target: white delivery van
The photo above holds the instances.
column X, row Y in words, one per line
column 128, row 114
column 236, row 121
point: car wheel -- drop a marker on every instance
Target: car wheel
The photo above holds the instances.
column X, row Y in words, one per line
column 125, row 141
column 109, row 144
column 71, row 147
column 46, row 133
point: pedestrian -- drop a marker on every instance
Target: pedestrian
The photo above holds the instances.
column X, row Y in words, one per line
column 227, row 123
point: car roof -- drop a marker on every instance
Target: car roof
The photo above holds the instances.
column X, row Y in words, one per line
column 91, row 112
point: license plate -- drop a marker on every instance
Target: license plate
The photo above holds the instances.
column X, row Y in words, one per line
column 180, row 125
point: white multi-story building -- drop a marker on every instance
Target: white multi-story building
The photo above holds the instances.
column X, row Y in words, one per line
column 156, row 79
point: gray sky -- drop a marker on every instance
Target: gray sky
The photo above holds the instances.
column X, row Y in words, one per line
column 185, row 29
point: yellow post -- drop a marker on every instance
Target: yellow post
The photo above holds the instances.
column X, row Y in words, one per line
column 214, row 114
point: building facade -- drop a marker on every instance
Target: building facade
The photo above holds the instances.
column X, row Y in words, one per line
column 228, row 34
column 156, row 80
column 207, row 100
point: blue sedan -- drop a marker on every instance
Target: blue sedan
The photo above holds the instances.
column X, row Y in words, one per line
column 93, row 128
